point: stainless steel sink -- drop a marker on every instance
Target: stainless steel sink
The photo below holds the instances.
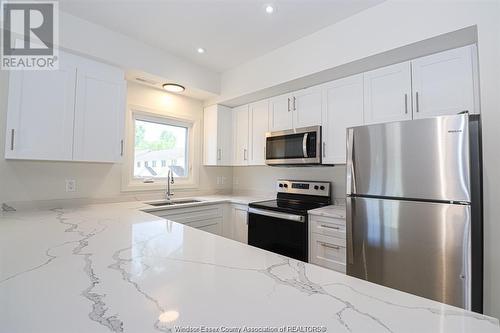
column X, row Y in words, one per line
column 171, row 203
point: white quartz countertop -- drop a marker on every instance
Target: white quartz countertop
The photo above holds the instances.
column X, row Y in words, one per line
column 334, row 211
column 114, row 268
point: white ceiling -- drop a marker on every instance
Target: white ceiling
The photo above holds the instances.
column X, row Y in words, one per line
column 232, row 31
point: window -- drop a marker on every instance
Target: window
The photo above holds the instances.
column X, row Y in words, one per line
column 160, row 139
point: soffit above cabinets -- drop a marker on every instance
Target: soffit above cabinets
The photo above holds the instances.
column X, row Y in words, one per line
column 426, row 47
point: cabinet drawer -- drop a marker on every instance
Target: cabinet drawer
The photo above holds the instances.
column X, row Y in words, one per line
column 329, row 252
column 213, row 226
column 328, row 226
column 191, row 215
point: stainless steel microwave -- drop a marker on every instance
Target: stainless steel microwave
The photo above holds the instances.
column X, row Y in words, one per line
column 300, row 146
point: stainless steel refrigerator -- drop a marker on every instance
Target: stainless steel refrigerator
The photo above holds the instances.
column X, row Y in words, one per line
column 414, row 207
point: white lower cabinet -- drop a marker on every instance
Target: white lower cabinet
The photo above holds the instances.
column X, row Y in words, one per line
column 208, row 218
column 239, row 223
column 327, row 242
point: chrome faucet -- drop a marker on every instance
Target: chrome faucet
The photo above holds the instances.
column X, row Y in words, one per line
column 170, row 181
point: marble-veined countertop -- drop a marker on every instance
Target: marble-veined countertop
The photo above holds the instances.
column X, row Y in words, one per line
column 114, row 268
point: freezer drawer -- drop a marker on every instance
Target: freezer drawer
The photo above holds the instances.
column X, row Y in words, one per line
column 418, row 159
column 418, row 247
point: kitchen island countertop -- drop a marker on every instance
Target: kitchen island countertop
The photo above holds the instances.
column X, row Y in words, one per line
column 115, row 268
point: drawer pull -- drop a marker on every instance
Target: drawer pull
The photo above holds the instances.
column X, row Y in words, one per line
column 330, row 227
column 330, row 246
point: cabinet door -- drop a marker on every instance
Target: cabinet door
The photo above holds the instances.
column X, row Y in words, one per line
column 259, row 126
column 99, row 112
column 225, row 135
column 443, row 83
column 211, row 154
column 306, row 105
column 240, row 225
column 280, row 113
column 217, row 135
column 40, row 113
column 387, row 94
column 343, row 108
column 240, row 127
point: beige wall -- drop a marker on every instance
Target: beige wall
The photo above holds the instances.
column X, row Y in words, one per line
column 36, row 180
column 263, row 178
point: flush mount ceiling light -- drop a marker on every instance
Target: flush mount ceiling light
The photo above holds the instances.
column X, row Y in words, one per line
column 269, row 9
column 200, row 50
column 173, row 87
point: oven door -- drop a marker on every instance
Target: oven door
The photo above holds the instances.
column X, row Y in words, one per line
column 297, row 146
column 281, row 233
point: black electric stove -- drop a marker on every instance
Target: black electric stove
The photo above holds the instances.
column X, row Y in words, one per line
column 281, row 225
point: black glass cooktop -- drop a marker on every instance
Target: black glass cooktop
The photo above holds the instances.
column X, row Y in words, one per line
column 288, row 206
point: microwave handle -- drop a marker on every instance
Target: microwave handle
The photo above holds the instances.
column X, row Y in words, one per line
column 304, row 145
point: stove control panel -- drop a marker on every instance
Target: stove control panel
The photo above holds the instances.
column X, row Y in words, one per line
column 303, row 187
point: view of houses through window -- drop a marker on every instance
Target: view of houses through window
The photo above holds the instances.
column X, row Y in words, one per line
column 159, row 147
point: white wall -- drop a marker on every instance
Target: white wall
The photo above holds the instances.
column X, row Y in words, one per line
column 387, row 26
column 263, row 179
column 87, row 38
column 33, row 180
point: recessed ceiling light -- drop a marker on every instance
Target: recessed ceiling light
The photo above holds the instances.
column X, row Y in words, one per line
column 200, row 50
column 269, row 9
column 173, row 87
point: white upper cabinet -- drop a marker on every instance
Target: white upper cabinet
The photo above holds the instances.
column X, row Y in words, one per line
column 75, row 113
column 99, row 112
column 259, row 126
column 342, row 108
column 241, row 135
column 280, row 113
column 443, row 83
column 387, row 94
column 217, row 135
column 40, row 113
column 306, row 105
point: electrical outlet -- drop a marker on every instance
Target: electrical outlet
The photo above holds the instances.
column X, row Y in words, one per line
column 70, row 185
column 224, row 179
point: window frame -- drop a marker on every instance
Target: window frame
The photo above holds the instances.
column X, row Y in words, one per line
column 132, row 183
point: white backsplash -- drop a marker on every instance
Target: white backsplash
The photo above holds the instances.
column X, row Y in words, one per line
column 262, row 179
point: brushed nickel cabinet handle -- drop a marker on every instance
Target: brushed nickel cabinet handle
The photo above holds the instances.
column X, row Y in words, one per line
column 12, row 133
column 219, row 154
column 406, row 103
column 330, row 227
column 416, row 102
column 330, row 246
column 294, row 103
column 121, row 148
column 288, row 104
column 324, row 149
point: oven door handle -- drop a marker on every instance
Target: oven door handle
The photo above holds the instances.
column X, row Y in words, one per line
column 284, row 216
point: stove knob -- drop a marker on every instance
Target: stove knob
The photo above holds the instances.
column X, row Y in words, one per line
column 322, row 188
column 316, row 187
column 286, row 185
column 280, row 185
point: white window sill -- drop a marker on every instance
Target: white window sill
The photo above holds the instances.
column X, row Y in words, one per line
column 137, row 186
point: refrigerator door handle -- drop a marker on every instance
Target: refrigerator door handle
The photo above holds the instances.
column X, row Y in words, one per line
column 351, row 180
column 350, row 245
